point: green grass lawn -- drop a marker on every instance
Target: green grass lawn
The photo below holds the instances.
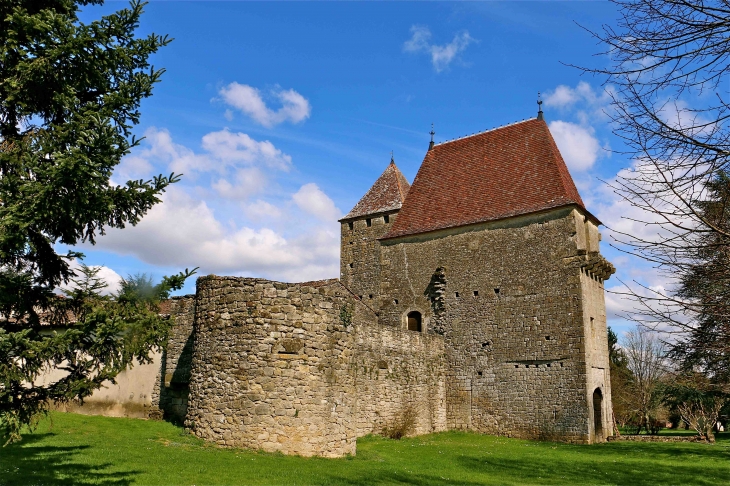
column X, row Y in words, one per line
column 79, row 449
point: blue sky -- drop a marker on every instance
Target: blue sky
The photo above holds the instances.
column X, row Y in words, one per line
column 281, row 116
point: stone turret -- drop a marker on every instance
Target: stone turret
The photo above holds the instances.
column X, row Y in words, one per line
column 370, row 219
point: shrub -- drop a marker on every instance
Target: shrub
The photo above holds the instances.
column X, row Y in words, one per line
column 402, row 424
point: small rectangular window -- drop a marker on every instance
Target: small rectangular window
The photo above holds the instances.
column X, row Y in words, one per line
column 476, row 293
column 456, row 294
column 386, row 218
column 369, row 222
column 350, row 225
column 350, row 265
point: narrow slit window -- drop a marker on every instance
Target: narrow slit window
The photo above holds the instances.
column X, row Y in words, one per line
column 369, row 222
column 350, row 225
column 386, row 218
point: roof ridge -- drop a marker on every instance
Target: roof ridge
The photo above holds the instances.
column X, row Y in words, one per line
column 484, row 131
column 400, row 186
column 386, row 194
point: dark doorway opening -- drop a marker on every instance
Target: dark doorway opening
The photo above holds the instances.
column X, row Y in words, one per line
column 597, row 414
column 414, row 321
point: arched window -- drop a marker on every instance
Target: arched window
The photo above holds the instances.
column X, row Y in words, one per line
column 414, row 321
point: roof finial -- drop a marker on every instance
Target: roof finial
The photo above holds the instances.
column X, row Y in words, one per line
column 539, row 107
column 392, row 160
column 430, row 145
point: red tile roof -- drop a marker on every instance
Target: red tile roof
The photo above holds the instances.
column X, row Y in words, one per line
column 387, row 194
column 507, row 171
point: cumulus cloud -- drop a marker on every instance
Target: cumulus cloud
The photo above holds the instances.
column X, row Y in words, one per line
column 112, row 279
column 246, row 183
column 564, row 96
column 247, row 99
column 239, row 147
column 224, row 150
column 577, row 144
column 441, row 55
column 310, row 199
column 261, row 210
column 184, row 232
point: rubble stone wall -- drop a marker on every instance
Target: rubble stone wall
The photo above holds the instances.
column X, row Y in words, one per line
column 170, row 394
column 398, row 373
column 508, row 297
column 305, row 368
column 360, row 255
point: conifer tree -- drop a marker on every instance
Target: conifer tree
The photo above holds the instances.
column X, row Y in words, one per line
column 69, row 97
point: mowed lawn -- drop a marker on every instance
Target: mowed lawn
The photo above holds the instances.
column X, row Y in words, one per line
column 80, row 450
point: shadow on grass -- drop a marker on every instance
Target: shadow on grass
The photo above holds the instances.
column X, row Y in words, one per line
column 592, row 465
column 25, row 463
column 405, row 478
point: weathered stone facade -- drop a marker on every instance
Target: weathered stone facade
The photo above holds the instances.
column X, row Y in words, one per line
column 304, row 368
column 515, row 313
column 487, row 314
column 171, row 389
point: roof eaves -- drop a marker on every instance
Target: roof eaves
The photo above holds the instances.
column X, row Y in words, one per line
column 576, row 205
column 377, row 213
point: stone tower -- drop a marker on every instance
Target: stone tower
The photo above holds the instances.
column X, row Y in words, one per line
column 370, row 219
column 494, row 250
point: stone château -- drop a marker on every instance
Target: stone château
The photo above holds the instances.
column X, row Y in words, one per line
column 471, row 299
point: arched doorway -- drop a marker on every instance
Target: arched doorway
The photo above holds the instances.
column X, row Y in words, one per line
column 598, row 415
column 414, row 321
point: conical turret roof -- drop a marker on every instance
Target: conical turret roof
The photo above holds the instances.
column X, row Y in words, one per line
column 387, row 194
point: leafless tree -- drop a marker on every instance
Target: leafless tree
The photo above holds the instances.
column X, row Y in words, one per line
column 669, row 80
column 645, row 353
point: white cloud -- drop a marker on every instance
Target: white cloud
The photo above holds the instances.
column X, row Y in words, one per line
column 184, row 232
column 565, row 96
column 246, row 183
column 223, row 150
column 577, row 144
column 133, row 167
column 109, row 276
column 261, row 210
column 295, row 107
column 441, row 55
column 310, row 199
column 239, row 147
column 561, row 97
column 199, row 224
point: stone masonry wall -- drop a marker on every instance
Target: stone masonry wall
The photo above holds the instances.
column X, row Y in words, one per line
column 270, row 366
column 397, row 370
column 172, row 385
column 305, row 368
column 360, row 255
column 511, row 312
column 594, row 321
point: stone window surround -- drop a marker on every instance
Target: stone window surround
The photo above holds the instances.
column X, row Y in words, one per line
column 425, row 320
